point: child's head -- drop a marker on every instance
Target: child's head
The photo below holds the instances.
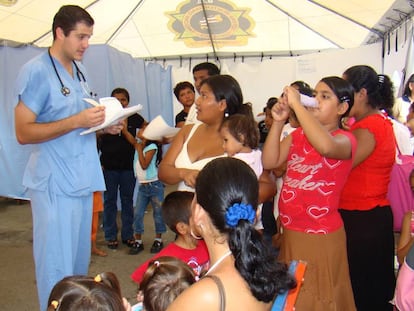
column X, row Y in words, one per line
column 140, row 135
column 268, row 112
column 240, row 134
column 305, row 89
column 176, row 210
column 165, row 278
column 378, row 89
column 302, row 87
column 84, row 293
column 185, row 93
column 334, row 96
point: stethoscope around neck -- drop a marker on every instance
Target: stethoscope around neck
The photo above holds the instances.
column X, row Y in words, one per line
column 64, row 89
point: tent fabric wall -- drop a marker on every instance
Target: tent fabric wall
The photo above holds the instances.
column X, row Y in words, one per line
column 107, row 68
column 264, row 78
column 151, row 83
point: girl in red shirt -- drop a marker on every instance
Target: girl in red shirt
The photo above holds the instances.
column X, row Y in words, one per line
column 319, row 157
column 364, row 206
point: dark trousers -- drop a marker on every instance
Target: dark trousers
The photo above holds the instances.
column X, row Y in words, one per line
column 370, row 246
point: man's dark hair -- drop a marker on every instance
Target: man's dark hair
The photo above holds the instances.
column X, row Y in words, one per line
column 68, row 16
column 210, row 67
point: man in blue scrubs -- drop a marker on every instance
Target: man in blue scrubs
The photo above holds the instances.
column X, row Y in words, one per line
column 63, row 169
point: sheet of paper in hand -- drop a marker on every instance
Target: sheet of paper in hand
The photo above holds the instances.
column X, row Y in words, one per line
column 158, row 128
column 114, row 112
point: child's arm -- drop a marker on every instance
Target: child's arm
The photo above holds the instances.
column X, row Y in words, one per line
column 275, row 152
column 267, row 186
column 128, row 136
column 336, row 147
column 365, row 145
column 144, row 159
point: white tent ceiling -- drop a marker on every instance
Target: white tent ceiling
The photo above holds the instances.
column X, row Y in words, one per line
column 174, row 28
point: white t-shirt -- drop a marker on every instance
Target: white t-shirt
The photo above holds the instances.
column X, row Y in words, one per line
column 402, row 136
column 401, row 109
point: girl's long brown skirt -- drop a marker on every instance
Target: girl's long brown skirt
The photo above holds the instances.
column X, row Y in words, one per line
column 327, row 284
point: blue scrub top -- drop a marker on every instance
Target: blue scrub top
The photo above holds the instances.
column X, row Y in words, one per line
column 68, row 164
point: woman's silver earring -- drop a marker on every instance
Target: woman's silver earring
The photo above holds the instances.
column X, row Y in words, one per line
column 197, row 237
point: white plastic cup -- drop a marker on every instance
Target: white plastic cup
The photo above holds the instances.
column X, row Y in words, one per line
column 308, row 101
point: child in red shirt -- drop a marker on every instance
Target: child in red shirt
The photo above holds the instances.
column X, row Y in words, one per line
column 319, row 157
column 176, row 211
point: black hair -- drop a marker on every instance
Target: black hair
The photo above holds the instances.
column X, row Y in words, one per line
column 407, row 91
column 176, row 208
column 85, row 293
column 227, row 88
column 303, row 87
column 342, row 89
column 271, row 102
column 211, row 68
column 220, row 184
column 121, row 90
column 380, row 90
column 159, row 150
column 68, row 16
column 182, row 86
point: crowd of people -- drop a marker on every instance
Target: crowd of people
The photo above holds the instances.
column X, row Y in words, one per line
column 236, row 230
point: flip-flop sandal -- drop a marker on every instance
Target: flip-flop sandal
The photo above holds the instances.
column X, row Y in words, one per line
column 112, row 244
column 129, row 242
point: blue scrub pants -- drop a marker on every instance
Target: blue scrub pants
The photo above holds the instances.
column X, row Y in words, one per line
column 61, row 238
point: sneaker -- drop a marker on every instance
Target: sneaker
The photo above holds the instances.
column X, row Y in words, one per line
column 136, row 248
column 156, row 247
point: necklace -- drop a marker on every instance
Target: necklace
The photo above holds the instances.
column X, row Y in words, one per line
column 228, row 253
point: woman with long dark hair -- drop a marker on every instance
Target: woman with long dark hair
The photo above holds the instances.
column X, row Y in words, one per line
column 243, row 274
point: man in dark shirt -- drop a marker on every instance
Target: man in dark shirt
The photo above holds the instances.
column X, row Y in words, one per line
column 117, row 155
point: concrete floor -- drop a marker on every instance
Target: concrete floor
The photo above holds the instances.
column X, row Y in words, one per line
column 17, row 277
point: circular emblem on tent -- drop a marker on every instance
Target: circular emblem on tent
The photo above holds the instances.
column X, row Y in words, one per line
column 226, row 24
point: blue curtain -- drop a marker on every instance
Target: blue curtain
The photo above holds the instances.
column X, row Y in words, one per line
column 149, row 84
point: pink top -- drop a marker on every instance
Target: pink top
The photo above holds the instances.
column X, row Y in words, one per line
column 310, row 194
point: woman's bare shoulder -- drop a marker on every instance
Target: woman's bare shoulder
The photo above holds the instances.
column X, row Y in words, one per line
column 202, row 295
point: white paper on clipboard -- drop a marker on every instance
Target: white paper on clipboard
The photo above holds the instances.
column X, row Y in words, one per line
column 114, row 112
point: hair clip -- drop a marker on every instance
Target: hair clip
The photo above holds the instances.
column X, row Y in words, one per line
column 98, row 278
column 54, row 304
column 381, row 78
column 157, row 263
column 344, row 98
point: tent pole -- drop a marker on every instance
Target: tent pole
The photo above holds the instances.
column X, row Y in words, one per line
column 209, row 29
